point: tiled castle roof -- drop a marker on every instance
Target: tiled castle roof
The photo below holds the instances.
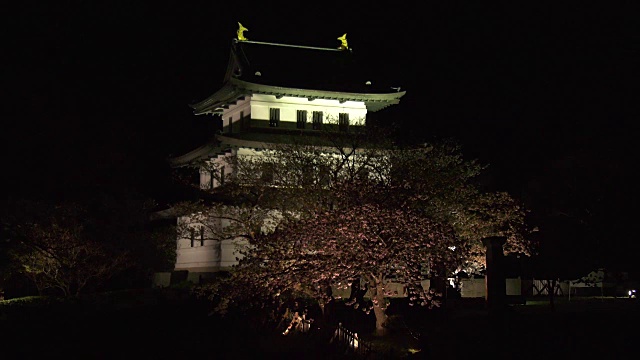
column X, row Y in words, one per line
column 299, row 71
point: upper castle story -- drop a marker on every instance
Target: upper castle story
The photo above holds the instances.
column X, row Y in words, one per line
column 271, row 91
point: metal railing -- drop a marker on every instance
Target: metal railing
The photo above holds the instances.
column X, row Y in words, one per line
column 343, row 337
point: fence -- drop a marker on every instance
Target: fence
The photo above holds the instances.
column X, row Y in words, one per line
column 543, row 287
column 297, row 323
column 345, row 338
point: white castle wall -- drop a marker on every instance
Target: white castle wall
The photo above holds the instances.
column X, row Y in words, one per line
column 474, row 288
column 257, row 107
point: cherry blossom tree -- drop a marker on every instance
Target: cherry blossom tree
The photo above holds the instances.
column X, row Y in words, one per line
column 53, row 250
column 437, row 180
column 368, row 242
column 359, row 208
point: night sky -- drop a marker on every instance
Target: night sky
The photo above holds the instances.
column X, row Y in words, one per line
column 100, row 93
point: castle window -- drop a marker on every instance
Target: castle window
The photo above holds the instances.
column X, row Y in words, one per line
column 222, row 175
column 308, row 174
column 230, row 125
column 317, row 120
column 274, row 117
column 363, row 173
column 324, row 176
column 343, row 122
column 212, row 174
column 201, row 235
column 193, row 236
column 244, row 123
column 302, row 119
column 267, row 173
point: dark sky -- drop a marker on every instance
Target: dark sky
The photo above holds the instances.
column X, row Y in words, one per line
column 103, row 90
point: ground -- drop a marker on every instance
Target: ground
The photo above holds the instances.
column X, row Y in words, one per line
column 154, row 328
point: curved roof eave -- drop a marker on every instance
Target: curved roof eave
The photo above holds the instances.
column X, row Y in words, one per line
column 236, row 89
column 267, row 145
column 202, row 152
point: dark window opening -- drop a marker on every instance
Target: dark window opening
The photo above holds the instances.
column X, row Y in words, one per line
column 317, row 120
column 302, row 119
column 201, row 235
column 213, row 176
column 324, row 176
column 308, row 175
column 244, row 123
column 343, row 122
column 267, row 173
column 274, row 117
column 363, row 174
column 193, row 236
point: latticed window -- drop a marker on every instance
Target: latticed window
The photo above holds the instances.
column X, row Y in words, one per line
column 324, row 176
column 302, row 119
column 317, row 120
column 267, row 173
column 343, row 122
column 363, row 173
column 308, row 174
column 212, row 174
column 274, row 117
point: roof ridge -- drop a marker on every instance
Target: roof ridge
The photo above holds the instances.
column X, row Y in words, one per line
column 290, row 45
column 241, row 38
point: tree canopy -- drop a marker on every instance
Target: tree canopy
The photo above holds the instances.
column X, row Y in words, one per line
column 85, row 244
column 364, row 209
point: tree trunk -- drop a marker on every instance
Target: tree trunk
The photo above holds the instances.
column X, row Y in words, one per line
column 439, row 284
column 551, row 289
column 379, row 308
column 358, row 293
column 324, row 301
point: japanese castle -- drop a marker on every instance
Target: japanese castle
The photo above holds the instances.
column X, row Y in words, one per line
column 272, row 92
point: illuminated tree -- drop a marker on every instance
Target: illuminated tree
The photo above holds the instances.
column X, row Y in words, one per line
column 374, row 235
column 339, row 246
column 53, row 250
column 102, row 241
column 436, row 180
column 424, row 201
column 283, row 181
